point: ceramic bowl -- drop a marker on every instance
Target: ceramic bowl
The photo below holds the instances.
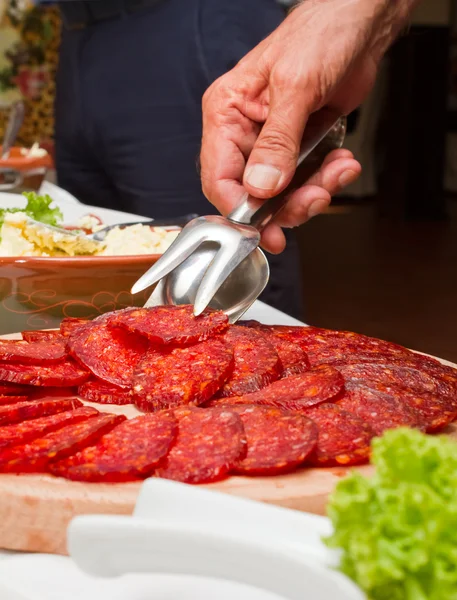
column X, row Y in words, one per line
column 37, row 293
column 19, row 173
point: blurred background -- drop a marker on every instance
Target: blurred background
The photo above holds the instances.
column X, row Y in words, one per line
column 383, row 260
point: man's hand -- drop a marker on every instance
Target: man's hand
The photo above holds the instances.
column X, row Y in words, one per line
column 326, row 52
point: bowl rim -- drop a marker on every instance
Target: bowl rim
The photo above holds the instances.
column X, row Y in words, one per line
column 124, row 259
column 21, row 162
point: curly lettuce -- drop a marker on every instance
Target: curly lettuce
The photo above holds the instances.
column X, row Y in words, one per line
column 398, row 530
column 38, row 208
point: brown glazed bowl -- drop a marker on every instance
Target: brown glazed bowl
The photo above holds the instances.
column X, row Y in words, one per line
column 38, row 292
column 20, row 173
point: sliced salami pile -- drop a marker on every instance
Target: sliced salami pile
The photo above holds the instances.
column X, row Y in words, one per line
column 211, row 399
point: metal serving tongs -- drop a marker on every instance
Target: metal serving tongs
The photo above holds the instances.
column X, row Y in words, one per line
column 215, row 261
column 12, row 129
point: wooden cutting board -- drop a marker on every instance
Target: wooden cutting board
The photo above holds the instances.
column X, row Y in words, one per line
column 35, row 510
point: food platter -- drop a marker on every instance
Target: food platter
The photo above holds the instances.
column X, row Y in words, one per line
column 36, row 508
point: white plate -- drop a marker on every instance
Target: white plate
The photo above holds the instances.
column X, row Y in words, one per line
column 58, row 578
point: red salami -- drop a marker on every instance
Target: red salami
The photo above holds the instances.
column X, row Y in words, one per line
column 110, row 353
column 344, row 439
column 52, row 392
column 302, row 336
column 297, row 332
column 12, row 399
column 63, row 374
column 130, row 451
column 298, row 392
column 209, row 444
column 326, row 337
column 324, row 346
column 181, row 376
column 41, row 336
column 278, row 441
column 35, row 353
column 175, row 325
column 70, row 324
column 435, row 412
column 14, row 389
column 13, row 435
column 292, row 357
column 57, row 445
column 381, row 410
column 104, row 393
column 431, row 366
column 22, row 411
column 256, row 365
column 395, row 374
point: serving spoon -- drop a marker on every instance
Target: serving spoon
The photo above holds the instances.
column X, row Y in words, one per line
column 216, row 261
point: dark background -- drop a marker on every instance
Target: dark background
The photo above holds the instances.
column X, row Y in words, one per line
column 383, row 260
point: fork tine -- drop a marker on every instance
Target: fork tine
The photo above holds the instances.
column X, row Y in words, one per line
column 180, row 249
column 225, row 261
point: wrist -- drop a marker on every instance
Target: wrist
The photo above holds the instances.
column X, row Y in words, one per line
column 394, row 19
column 380, row 20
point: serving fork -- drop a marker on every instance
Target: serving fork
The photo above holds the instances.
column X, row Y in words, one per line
column 216, row 261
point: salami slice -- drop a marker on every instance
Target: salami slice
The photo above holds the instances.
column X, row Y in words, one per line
column 325, row 346
column 15, row 389
column 344, row 439
column 302, row 336
column 22, row 411
column 130, row 451
column 12, row 399
column 292, row 357
column 278, row 441
column 63, row 374
column 429, row 365
column 435, row 412
column 399, row 375
column 57, row 445
column 52, row 392
column 175, row 325
column 256, row 365
column 181, row 376
column 70, row 324
column 104, row 393
column 326, row 337
column 381, row 410
column 36, row 353
column 298, row 392
column 110, row 353
column 22, row 433
column 209, row 444
column 42, row 336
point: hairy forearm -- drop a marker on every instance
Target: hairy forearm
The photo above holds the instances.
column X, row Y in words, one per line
column 394, row 16
column 380, row 20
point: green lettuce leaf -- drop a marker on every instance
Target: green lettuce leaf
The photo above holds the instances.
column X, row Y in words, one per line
column 398, row 530
column 38, row 207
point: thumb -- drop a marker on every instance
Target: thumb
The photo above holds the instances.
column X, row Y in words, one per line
column 273, row 159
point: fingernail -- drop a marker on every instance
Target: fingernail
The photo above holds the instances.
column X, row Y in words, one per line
column 347, row 177
column 316, row 208
column 263, row 177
